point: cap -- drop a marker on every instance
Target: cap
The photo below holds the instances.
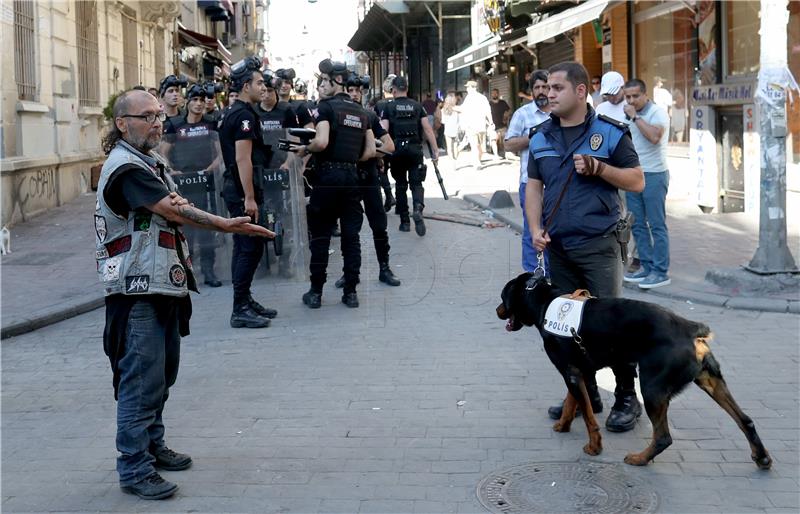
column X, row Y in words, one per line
column 612, row 83
column 400, row 82
column 471, row 83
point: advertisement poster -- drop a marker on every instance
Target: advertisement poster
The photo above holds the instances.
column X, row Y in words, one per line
column 707, row 41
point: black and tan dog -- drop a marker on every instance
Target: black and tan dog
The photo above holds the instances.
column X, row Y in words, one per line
column 671, row 352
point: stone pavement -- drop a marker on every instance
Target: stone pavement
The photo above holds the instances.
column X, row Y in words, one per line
column 699, row 243
column 402, row 405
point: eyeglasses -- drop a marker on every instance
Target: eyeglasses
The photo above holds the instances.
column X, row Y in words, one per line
column 595, row 83
column 149, row 118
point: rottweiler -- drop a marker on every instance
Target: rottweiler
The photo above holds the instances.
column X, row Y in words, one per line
column 671, row 352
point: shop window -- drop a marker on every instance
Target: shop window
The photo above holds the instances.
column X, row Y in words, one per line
column 665, row 55
column 793, row 107
column 743, row 43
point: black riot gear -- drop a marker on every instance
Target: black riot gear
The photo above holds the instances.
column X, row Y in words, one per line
column 347, row 131
column 404, row 122
column 242, row 71
column 335, row 69
column 359, row 81
column 171, row 81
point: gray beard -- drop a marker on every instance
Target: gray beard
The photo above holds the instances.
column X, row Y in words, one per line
column 541, row 101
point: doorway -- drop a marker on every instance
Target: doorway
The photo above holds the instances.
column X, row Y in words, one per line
column 730, row 131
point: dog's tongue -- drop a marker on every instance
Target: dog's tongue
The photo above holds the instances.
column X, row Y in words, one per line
column 510, row 325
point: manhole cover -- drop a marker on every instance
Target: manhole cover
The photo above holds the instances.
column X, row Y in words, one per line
column 565, row 487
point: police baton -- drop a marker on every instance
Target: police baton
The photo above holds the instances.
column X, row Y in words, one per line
column 436, row 169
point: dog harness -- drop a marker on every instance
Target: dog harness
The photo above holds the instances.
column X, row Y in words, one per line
column 564, row 314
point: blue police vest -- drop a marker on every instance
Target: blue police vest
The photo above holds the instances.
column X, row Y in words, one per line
column 591, row 206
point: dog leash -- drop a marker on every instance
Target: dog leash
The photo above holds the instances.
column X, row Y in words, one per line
column 539, row 271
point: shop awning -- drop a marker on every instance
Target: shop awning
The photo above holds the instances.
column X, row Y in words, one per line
column 565, row 20
column 376, row 32
column 188, row 37
column 474, row 53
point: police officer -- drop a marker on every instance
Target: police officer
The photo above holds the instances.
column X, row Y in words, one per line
column 192, row 145
column 343, row 138
column 245, row 154
column 147, row 301
column 170, row 92
column 384, row 163
column 588, row 157
column 284, row 87
column 407, row 123
column 275, row 117
column 213, row 112
column 371, row 188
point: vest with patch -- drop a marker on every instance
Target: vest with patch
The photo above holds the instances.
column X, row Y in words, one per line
column 564, row 314
column 138, row 254
column 404, row 121
column 347, row 132
column 591, row 206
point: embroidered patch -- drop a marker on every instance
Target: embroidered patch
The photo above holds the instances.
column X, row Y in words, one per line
column 166, row 240
column 100, row 228
column 595, row 141
column 118, row 246
column 110, row 269
column 137, row 284
column 562, row 316
column 177, row 276
column 101, row 254
column 141, row 221
column 245, row 125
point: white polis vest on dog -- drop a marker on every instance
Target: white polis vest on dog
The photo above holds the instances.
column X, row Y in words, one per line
column 565, row 313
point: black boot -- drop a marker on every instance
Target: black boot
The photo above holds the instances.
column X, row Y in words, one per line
column 419, row 223
column 405, row 223
column 211, row 279
column 386, row 276
column 594, row 396
column 624, row 413
column 244, row 316
column 313, row 299
column 341, row 282
column 260, row 309
column 350, row 299
column 389, row 202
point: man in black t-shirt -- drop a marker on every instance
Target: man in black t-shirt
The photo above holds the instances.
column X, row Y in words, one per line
column 501, row 113
column 143, row 330
column 245, row 155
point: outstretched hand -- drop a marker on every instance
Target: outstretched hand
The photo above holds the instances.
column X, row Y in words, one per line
column 242, row 225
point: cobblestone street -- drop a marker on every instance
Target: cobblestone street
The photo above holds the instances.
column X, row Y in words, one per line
column 402, row 405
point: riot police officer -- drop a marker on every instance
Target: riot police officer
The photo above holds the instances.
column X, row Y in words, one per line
column 371, row 189
column 343, row 138
column 213, row 112
column 284, row 87
column 170, row 92
column 245, row 154
column 407, row 124
column 191, row 145
column 275, row 117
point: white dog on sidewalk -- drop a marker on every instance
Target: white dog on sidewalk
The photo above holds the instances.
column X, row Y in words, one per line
column 5, row 241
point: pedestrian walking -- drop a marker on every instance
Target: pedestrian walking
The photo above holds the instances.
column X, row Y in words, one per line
column 577, row 161
column 518, row 140
column 405, row 121
column 613, row 103
column 343, row 138
column 475, row 115
column 143, row 264
column 501, row 112
column 450, row 122
column 245, row 156
column 650, row 131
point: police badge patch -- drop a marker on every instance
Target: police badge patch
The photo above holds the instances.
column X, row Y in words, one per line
column 177, row 276
column 595, row 141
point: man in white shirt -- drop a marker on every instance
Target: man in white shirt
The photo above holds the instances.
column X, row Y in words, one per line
column 475, row 117
column 650, row 131
column 611, row 89
column 518, row 140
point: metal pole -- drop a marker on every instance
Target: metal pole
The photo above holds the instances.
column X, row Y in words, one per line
column 405, row 43
column 772, row 255
column 440, row 71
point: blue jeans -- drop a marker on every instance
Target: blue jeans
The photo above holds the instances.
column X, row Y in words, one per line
column 650, row 222
column 147, row 369
column 528, row 250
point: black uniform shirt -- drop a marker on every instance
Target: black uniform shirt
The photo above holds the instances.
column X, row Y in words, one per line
column 193, row 143
column 240, row 123
column 305, row 112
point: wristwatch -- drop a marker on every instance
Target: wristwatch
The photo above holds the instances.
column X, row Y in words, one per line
column 635, row 118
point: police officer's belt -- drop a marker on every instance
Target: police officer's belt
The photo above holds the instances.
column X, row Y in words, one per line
column 337, row 165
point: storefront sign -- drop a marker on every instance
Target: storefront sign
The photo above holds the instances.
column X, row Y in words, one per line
column 703, row 154
column 724, row 94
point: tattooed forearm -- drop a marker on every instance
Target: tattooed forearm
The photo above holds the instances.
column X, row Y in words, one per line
column 196, row 215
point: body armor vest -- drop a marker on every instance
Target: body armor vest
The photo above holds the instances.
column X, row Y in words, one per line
column 404, row 124
column 350, row 124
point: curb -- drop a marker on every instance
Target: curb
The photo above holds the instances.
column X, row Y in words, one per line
column 750, row 303
column 52, row 315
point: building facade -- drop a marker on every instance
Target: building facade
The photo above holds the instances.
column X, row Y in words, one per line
column 70, row 57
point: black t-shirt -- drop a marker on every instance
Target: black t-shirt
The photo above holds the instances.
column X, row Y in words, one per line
column 131, row 188
column 304, row 110
column 240, row 123
column 499, row 108
column 193, row 146
column 624, row 155
column 281, row 116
